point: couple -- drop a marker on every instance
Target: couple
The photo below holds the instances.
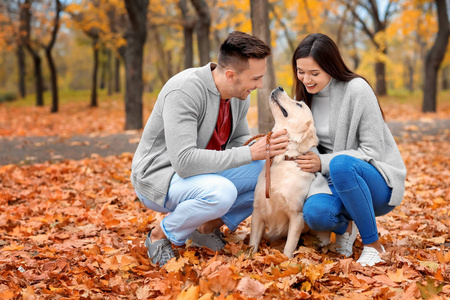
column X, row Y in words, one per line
column 190, row 162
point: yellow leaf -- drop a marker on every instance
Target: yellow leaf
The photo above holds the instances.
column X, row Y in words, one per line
column 13, row 247
column 306, row 286
column 429, row 264
column 207, row 296
column 191, row 293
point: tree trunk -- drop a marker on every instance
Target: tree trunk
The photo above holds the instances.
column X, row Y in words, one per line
column 410, row 79
column 135, row 35
column 380, row 73
column 94, row 102
column 38, row 79
column 163, row 64
column 260, row 27
column 53, row 80
column 51, row 64
column 203, row 29
column 103, row 69
column 109, row 71
column 117, row 75
column 188, row 33
column 25, row 28
column 22, row 70
column 446, row 78
column 434, row 58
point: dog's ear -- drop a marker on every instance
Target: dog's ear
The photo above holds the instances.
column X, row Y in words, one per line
column 310, row 136
column 307, row 137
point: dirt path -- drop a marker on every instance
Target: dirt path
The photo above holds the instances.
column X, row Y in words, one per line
column 29, row 150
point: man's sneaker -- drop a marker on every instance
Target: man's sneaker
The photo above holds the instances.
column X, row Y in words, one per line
column 213, row 241
column 344, row 243
column 370, row 256
column 159, row 251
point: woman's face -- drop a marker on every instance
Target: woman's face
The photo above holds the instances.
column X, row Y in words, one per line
column 312, row 75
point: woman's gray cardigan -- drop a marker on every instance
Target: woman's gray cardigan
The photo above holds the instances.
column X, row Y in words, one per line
column 357, row 129
column 178, row 131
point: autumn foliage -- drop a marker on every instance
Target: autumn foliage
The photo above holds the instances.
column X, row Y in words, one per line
column 75, row 230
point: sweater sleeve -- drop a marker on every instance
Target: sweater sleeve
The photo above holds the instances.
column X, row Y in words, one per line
column 360, row 128
column 182, row 116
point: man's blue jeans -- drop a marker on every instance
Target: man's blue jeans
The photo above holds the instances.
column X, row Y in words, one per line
column 198, row 199
column 360, row 193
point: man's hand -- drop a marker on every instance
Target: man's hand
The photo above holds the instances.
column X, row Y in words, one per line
column 278, row 144
column 309, row 162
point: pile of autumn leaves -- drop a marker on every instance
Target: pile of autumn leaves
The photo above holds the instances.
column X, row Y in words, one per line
column 75, row 230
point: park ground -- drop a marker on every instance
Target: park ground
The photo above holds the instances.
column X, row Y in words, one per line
column 71, row 228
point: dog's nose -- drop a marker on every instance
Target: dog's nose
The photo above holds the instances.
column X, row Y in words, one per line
column 280, row 88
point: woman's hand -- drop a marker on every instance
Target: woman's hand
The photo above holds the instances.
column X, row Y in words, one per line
column 278, row 144
column 309, row 162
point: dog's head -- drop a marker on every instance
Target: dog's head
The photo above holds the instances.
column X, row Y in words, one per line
column 295, row 117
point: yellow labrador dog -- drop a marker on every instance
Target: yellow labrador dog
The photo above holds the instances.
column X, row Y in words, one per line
column 282, row 213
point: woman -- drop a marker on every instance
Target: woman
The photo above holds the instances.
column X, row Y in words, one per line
column 360, row 172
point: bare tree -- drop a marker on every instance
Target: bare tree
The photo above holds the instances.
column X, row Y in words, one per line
column 434, row 58
column 260, row 24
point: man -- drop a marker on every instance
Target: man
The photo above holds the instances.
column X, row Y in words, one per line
column 190, row 161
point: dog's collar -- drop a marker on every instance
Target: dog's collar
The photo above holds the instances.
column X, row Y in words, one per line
column 290, row 157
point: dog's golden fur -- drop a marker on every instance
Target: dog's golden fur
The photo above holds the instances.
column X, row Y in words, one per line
column 282, row 212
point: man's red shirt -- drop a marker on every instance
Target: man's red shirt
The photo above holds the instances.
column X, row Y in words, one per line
column 223, row 127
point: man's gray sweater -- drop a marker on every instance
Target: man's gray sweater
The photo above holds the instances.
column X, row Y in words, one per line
column 178, row 131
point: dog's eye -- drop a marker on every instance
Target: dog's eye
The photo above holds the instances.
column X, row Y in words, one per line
column 299, row 104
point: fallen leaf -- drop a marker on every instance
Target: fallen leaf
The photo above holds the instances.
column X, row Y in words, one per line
column 251, row 288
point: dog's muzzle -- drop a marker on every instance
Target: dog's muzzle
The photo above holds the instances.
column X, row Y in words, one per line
column 274, row 98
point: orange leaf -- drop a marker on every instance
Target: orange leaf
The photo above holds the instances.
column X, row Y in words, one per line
column 175, row 265
column 13, row 247
column 384, row 280
column 190, row 294
column 396, row 276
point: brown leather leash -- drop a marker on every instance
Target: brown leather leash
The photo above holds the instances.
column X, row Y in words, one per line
column 268, row 159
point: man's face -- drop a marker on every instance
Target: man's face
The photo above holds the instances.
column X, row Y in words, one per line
column 250, row 79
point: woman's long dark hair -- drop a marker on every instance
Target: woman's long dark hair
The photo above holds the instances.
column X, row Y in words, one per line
column 326, row 53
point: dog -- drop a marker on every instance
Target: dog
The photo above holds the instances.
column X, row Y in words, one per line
column 282, row 213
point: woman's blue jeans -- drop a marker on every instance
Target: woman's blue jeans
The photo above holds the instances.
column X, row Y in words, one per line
column 198, row 199
column 360, row 193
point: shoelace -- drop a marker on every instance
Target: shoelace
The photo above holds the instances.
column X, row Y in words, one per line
column 369, row 257
column 163, row 254
column 218, row 236
column 344, row 241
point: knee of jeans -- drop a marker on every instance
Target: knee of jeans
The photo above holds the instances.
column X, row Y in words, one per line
column 340, row 165
column 316, row 217
column 221, row 195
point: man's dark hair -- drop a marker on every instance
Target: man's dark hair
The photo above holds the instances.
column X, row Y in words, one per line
column 239, row 47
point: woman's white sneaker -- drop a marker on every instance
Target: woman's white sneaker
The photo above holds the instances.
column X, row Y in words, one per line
column 344, row 243
column 370, row 256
